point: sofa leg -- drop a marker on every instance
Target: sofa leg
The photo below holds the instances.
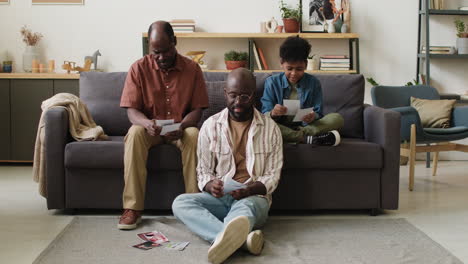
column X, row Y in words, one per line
column 374, row 212
column 70, row 211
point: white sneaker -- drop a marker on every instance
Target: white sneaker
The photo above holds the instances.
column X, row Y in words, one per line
column 231, row 238
column 254, row 242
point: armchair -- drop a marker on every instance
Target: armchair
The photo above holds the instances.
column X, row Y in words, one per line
column 435, row 140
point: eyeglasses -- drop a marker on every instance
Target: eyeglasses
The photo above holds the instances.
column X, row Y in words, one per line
column 243, row 98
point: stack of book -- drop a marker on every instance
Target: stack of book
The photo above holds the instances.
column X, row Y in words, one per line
column 439, row 50
column 183, row 25
column 334, row 63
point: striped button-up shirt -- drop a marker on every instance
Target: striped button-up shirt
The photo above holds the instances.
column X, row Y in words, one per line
column 264, row 151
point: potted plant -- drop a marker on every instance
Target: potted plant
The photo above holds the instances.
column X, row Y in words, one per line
column 462, row 34
column 234, row 59
column 31, row 52
column 291, row 17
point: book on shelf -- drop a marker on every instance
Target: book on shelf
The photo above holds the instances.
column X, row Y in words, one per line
column 334, row 57
column 182, row 22
column 257, row 58
column 262, row 58
column 183, row 25
column 334, row 69
column 335, row 65
column 335, row 60
column 439, row 50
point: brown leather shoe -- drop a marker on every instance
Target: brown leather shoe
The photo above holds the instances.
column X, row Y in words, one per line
column 129, row 219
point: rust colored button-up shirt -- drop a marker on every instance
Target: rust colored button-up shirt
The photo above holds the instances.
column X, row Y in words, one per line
column 159, row 94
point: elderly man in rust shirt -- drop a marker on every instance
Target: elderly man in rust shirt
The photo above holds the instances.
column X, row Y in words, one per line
column 161, row 85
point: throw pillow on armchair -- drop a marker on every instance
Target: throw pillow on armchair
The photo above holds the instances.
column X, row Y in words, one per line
column 433, row 113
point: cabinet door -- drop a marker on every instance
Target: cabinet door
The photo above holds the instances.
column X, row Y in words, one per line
column 5, row 120
column 67, row 86
column 26, row 99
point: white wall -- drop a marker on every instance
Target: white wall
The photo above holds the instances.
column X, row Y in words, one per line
column 388, row 31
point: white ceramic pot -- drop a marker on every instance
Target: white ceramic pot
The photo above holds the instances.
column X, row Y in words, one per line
column 462, row 45
column 312, row 64
column 30, row 53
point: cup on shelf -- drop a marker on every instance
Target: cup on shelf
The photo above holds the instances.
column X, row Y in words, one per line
column 42, row 68
column 35, row 66
column 263, row 28
column 279, row 29
column 7, row 66
column 51, row 66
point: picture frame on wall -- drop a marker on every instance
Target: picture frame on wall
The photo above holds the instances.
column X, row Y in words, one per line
column 316, row 15
column 57, row 2
column 4, row 2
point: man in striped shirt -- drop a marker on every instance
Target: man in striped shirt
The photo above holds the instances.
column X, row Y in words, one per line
column 237, row 145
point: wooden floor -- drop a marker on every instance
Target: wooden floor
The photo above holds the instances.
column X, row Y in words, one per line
column 437, row 206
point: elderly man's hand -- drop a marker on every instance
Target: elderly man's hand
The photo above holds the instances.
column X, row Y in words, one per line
column 309, row 118
column 152, row 128
column 174, row 135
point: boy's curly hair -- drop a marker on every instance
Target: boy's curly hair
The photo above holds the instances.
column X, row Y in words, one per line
column 295, row 49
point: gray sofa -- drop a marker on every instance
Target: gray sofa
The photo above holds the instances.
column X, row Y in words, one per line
column 361, row 173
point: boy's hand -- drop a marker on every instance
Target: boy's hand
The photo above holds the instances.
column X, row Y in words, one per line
column 309, row 118
column 279, row 110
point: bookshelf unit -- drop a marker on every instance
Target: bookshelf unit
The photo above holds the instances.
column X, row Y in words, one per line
column 353, row 45
column 424, row 14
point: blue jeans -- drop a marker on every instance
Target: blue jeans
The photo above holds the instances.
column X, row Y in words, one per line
column 206, row 215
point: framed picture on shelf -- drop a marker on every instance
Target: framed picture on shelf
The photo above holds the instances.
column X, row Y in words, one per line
column 318, row 15
column 57, row 2
column 4, row 2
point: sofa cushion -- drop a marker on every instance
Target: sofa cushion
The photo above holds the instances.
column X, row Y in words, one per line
column 109, row 155
column 350, row 154
column 101, row 92
column 344, row 94
column 215, row 98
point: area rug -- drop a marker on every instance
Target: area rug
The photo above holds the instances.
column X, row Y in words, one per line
column 92, row 239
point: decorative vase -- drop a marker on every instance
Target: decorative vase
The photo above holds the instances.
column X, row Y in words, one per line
column 331, row 27
column 462, row 45
column 30, row 53
column 7, row 66
column 232, row 65
column 291, row 25
column 271, row 25
column 344, row 28
column 312, row 64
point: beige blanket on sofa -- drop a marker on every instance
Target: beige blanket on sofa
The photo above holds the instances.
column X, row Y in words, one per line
column 81, row 126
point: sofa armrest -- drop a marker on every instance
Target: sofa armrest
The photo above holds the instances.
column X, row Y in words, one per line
column 55, row 138
column 382, row 126
column 409, row 116
column 460, row 116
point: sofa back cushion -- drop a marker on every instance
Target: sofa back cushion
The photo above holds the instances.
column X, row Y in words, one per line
column 344, row 94
column 101, row 92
